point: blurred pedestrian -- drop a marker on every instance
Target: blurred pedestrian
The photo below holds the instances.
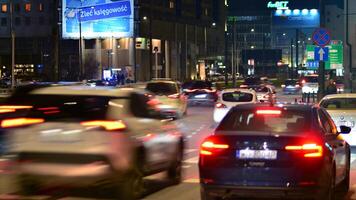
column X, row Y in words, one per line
column 331, row 87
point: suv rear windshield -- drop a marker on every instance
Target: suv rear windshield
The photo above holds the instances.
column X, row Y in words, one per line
column 290, row 82
column 161, row 88
column 237, row 97
column 311, row 79
column 339, row 103
column 197, row 85
column 62, row 107
column 289, row 121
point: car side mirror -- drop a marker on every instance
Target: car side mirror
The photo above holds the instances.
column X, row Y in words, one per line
column 345, row 129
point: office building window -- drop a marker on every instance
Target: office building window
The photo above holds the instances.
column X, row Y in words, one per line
column 3, row 21
column 28, row 21
column 3, row 8
column 171, row 4
column 17, row 21
column 41, row 20
column 40, row 7
column 28, row 7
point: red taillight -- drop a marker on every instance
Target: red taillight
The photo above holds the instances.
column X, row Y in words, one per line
column 311, row 150
column 11, row 123
column 304, row 81
column 108, row 125
column 210, row 146
column 15, row 107
column 297, row 86
column 268, row 112
column 174, row 96
column 220, row 105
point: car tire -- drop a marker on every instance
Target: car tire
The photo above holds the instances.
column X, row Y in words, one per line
column 327, row 189
column 174, row 172
column 345, row 184
column 131, row 186
column 204, row 195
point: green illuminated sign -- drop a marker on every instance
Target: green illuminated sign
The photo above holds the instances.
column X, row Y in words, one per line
column 336, row 55
column 279, row 5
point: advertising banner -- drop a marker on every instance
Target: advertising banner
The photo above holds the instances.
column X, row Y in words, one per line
column 97, row 18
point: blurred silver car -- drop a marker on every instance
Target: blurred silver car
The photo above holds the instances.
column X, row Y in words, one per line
column 78, row 136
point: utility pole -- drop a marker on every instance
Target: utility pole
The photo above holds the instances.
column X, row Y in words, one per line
column 234, row 60
column 348, row 70
column 13, row 83
column 81, row 69
column 291, row 59
column 297, row 41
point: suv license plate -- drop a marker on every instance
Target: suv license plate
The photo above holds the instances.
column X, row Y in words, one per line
column 257, row 154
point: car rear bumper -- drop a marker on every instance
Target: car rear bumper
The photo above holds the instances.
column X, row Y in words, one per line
column 259, row 192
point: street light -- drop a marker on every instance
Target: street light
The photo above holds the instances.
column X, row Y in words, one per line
column 252, row 30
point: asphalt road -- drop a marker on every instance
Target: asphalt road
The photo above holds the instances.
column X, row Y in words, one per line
column 197, row 125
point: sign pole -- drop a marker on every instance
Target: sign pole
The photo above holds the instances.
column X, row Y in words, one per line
column 321, row 80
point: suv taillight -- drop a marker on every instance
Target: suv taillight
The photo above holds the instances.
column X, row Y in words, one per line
column 311, row 150
column 211, row 146
column 220, row 105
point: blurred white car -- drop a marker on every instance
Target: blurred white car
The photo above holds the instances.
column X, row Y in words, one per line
column 310, row 84
column 82, row 136
column 173, row 102
column 230, row 98
column 342, row 109
column 265, row 94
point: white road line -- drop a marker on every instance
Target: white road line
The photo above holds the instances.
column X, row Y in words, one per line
column 193, row 160
column 188, row 151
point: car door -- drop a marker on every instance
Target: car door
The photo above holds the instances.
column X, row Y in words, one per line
column 336, row 142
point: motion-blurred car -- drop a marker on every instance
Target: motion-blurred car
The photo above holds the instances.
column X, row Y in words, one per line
column 173, row 102
column 265, row 94
column 95, row 83
column 80, row 136
column 342, row 109
column 310, row 84
column 251, row 82
column 200, row 92
column 340, row 86
column 291, row 87
column 230, row 98
column 279, row 152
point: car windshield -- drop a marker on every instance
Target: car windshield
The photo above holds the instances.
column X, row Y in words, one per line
column 290, row 82
column 237, row 97
column 261, row 89
column 63, row 107
column 252, row 81
column 289, row 121
column 197, row 85
column 339, row 103
column 311, row 79
column 162, row 88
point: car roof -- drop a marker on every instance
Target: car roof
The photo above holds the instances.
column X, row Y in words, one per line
column 301, row 107
column 163, row 81
column 238, row 89
column 83, row 90
column 337, row 96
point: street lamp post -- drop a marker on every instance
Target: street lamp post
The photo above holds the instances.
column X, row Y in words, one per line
column 81, row 69
column 13, row 84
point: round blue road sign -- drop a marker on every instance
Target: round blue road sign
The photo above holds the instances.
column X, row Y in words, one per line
column 321, row 37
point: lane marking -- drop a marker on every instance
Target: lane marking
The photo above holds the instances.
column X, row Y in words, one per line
column 188, row 151
column 192, row 180
column 193, row 160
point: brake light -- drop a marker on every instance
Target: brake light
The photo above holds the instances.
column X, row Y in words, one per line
column 220, row 105
column 11, row 123
column 309, row 150
column 283, row 86
column 297, row 86
column 108, row 125
column 174, row 96
column 210, row 146
column 268, row 112
column 7, row 110
column 304, row 81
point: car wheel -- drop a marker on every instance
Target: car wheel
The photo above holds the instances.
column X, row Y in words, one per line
column 204, row 195
column 345, row 184
column 327, row 189
column 174, row 172
column 131, row 186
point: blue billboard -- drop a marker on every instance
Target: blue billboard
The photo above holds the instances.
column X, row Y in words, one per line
column 296, row 18
column 97, row 18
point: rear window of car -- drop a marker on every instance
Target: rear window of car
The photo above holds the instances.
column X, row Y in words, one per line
column 237, row 97
column 311, row 79
column 161, row 88
column 197, row 85
column 261, row 89
column 339, row 103
column 290, row 82
column 289, row 121
column 63, row 107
